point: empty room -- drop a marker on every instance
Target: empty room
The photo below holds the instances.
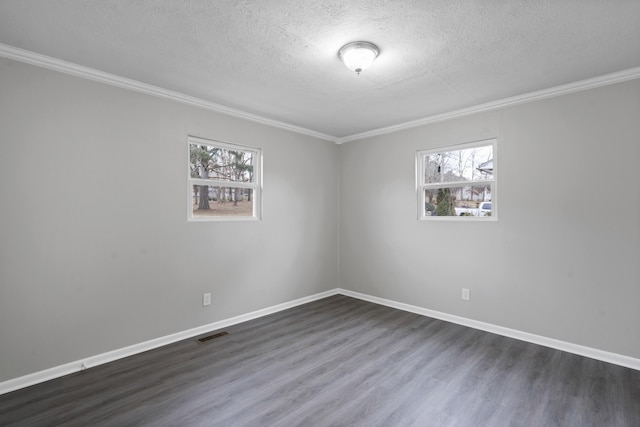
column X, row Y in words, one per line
column 319, row 213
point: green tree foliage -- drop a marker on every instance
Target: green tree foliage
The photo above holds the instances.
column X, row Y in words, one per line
column 445, row 205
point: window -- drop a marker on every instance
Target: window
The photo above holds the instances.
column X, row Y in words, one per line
column 457, row 182
column 224, row 181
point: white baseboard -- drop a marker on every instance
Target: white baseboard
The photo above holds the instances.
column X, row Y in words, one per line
column 79, row 365
column 593, row 353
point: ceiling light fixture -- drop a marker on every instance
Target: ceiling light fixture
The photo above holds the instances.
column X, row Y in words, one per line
column 358, row 56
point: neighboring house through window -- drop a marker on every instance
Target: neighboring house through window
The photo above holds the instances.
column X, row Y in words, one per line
column 457, row 181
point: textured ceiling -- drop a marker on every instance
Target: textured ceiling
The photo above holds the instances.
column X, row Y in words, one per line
column 278, row 58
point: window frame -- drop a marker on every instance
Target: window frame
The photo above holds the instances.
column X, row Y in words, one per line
column 256, row 185
column 421, row 186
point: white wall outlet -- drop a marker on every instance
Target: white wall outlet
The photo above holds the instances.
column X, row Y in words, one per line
column 465, row 294
column 206, row 299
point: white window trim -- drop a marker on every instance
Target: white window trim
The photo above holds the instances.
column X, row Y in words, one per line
column 421, row 186
column 256, row 186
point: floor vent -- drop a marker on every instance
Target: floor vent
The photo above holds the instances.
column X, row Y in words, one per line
column 211, row 337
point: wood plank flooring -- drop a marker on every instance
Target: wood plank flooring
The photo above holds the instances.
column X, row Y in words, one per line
column 338, row 361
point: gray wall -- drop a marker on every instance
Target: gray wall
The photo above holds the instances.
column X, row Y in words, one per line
column 96, row 253
column 95, row 249
column 563, row 259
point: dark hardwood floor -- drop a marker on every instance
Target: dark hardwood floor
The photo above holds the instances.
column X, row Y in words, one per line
column 335, row 362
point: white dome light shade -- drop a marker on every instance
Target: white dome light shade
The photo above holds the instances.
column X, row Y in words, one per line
column 358, row 56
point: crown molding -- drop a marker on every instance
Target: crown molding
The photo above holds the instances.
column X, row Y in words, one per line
column 595, row 82
column 70, row 68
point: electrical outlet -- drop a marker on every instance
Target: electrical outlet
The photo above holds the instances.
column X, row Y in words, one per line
column 206, row 299
column 465, row 294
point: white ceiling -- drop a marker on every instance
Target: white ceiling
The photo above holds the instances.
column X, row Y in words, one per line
column 278, row 58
